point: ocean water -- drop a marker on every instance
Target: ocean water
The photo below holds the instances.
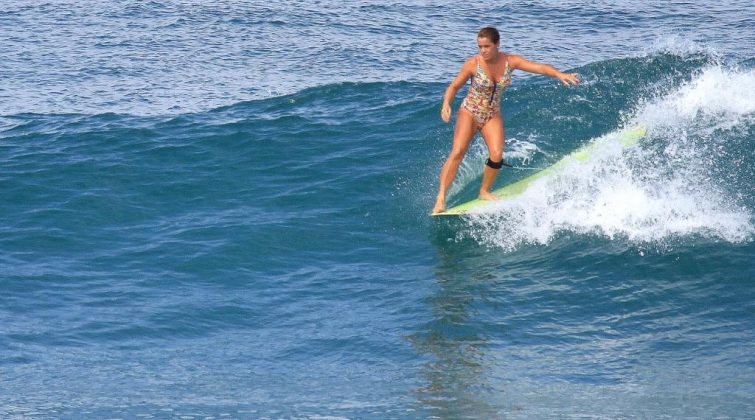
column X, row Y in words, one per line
column 220, row 210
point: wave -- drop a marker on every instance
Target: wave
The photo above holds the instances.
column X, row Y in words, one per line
column 691, row 177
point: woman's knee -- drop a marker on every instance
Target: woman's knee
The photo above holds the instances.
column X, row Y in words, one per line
column 456, row 155
column 495, row 154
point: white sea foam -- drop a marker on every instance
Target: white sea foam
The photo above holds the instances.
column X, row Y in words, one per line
column 651, row 193
column 716, row 93
column 677, row 45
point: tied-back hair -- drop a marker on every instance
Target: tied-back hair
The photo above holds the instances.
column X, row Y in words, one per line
column 490, row 33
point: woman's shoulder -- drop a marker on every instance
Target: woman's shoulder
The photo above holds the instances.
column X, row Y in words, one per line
column 514, row 59
column 471, row 64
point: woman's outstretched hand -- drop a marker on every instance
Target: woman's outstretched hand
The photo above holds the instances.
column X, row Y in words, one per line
column 568, row 79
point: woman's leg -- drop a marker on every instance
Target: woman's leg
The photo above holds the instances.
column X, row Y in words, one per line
column 465, row 129
column 494, row 135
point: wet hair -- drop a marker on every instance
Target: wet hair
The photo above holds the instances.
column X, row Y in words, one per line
column 490, row 33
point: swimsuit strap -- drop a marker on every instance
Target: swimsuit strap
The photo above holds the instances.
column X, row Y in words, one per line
column 508, row 69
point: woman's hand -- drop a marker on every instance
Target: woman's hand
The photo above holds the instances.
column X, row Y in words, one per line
column 568, row 79
column 445, row 113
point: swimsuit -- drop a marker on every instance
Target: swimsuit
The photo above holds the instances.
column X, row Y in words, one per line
column 484, row 96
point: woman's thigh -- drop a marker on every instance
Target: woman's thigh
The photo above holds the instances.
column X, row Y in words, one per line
column 465, row 129
column 495, row 136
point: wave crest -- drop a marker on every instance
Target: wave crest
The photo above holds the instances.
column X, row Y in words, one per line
column 689, row 177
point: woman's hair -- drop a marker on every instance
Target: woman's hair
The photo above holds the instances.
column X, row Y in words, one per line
column 490, row 33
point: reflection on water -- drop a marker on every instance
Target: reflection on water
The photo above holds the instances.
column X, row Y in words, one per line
column 458, row 376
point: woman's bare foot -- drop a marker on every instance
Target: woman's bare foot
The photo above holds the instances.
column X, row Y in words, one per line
column 440, row 205
column 486, row 195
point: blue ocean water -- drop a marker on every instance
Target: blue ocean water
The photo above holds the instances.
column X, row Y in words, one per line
column 221, row 211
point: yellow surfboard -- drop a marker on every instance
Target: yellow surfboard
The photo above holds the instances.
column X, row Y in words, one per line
column 627, row 138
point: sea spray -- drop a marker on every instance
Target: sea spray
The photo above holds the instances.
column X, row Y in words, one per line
column 660, row 190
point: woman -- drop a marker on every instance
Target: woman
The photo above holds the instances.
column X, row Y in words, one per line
column 490, row 72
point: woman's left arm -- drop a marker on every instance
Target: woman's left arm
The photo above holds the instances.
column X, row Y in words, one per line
column 520, row 63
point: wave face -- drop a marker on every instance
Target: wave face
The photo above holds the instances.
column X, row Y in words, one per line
column 254, row 242
column 691, row 176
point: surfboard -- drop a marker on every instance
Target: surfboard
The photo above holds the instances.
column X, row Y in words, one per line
column 627, row 138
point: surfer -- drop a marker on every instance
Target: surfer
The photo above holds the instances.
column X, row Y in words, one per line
column 490, row 72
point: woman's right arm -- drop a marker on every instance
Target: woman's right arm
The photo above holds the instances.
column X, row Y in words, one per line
column 466, row 72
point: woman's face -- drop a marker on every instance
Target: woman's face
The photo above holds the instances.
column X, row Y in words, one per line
column 487, row 48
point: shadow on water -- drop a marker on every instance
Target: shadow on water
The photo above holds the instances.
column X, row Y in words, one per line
column 455, row 376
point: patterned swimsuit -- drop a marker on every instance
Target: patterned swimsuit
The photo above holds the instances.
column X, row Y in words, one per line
column 484, row 96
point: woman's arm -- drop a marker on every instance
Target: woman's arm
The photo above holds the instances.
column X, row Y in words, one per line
column 466, row 72
column 520, row 63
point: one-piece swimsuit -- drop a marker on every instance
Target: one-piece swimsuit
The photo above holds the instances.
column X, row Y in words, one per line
column 484, row 97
